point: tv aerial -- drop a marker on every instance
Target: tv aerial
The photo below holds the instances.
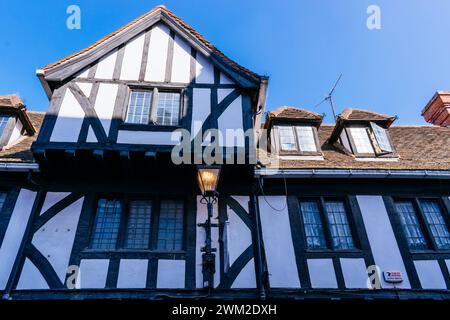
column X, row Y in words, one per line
column 330, row 97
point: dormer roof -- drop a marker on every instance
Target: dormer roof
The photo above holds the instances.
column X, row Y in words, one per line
column 12, row 103
column 293, row 114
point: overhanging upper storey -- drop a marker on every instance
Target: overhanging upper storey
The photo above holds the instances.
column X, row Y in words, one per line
column 135, row 88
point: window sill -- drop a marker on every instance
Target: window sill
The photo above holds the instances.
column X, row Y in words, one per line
column 377, row 159
column 147, row 127
column 115, row 251
column 301, row 157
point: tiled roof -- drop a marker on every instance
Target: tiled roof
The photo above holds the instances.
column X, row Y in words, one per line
column 419, row 148
column 21, row 150
column 292, row 114
column 358, row 114
column 181, row 22
column 11, row 100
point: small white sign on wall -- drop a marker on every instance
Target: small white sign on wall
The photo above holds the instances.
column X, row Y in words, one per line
column 392, row 276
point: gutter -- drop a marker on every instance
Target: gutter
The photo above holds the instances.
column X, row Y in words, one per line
column 352, row 173
column 19, row 167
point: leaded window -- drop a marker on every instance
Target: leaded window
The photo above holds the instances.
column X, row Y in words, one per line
column 170, row 228
column 152, row 106
column 168, row 109
column 287, row 139
column 381, row 135
column 3, row 196
column 361, row 139
column 3, row 122
column 341, row 234
column 326, row 219
column 315, row 237
column 139, row 107
column 106, row 224
column 435, row 219
column 298, row 139
column 138, row 224
column 411, row 225
column 306, row 139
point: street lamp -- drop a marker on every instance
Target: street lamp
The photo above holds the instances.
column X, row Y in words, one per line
column 208, row 178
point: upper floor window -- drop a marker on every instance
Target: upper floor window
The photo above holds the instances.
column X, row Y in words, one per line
column 138, row 224
column 6, row 128
column 326, row 224
column 425, row 224
column 298, row 139
column 3, row 196
column 368, row 140
column 154, row 107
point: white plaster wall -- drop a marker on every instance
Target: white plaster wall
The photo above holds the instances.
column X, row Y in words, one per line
column 202, row 214
column 279, row 249
column 84, row 73
column 204, row 69
column 321, row 273
column 149, row 137
column 246, row 278
column 132, row 58
column 85, row 87
column 171, row 274
column 105, row 67
column 430, row 274
column 230, row 123
column 354, row 272
column 132, row 273
column 14, row 234
column 222, row 93
column 55, row 238
column 382, row 239
column 201, row 102
column 157, row 53
column 51, row 198
column 239, row 235
column 31, row 278
column 181, row 64
column 104, row 107
column 71, row 116
column 92, row 274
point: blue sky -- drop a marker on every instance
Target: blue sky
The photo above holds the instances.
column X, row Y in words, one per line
column 303, row 45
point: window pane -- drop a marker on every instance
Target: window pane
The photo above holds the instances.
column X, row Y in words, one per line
column 382, row 138
column 138, row 225
column 139, row 107
column 361, row 139
column 3, row 123
column 170, row 227
column 106, row 225
column 410, row 224
column 306, row 138
column 436, row 222
column 315, row 237
column 168, row 111
column 341, row 234
column 287, row 139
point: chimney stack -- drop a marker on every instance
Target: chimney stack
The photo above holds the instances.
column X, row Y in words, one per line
column 437, row 110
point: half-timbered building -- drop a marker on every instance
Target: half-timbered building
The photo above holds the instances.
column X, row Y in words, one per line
column 93, row 205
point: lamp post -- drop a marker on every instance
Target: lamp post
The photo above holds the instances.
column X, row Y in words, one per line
column 207, row 178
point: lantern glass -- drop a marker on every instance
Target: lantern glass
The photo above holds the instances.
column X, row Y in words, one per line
column 208, row 177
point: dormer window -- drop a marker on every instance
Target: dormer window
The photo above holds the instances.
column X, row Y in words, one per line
column 154, row 107
column 297, row 139
column 370, row 140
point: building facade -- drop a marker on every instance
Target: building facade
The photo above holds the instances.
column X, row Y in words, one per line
column 96, row 204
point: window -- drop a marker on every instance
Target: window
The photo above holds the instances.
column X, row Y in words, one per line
column 130, row 223
column 139, row 107
column 362, row 141
column 326, row 224
column 106, row 225
column 306, row 140
column 424, row 224
column 297, row 139
column 382, row 137
column 170, row 229
column 168, row 109
column 368, row 140
column 153, row 106
column 3, row 122
column 287, row 139
column 138, row 225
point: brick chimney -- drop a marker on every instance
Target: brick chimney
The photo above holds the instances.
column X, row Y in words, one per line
column 437, row 110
